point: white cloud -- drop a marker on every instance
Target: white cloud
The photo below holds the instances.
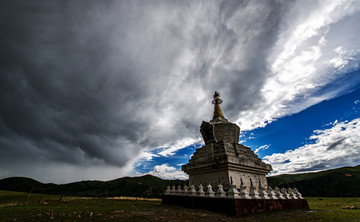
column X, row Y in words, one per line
column 165, row 171
column 264, row 147
column 170, row 150
column 146, row 155
column 334, row 147
column 308, row 55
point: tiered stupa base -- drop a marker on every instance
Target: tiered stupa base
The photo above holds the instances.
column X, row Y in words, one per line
column 235, row 201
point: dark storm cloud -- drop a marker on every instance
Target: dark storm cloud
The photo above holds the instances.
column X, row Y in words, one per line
column 57, row 88
column 244, row 34
column 86, row 82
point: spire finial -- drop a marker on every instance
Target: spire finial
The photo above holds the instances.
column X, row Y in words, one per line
column 217, row 109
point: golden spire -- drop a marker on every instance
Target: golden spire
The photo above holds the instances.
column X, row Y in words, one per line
column 217, row 109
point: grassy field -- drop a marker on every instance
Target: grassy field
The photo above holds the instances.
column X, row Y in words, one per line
column 16, row 206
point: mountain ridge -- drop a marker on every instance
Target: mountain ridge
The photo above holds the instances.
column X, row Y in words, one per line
column 142, row 186
column 337, row 182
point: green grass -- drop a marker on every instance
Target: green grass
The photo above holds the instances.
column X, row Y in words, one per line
column 331, row 208
column 15, row 206
column 333, row 203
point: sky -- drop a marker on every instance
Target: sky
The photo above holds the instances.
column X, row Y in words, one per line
column 97, row 90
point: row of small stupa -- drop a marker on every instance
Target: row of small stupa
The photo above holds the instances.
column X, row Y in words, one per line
column 234, row 193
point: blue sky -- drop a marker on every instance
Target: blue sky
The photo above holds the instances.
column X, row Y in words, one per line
column 97, row 90
column 287, row 133
column 294, row 131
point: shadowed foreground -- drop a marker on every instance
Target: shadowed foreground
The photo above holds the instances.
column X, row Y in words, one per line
column 20, row 207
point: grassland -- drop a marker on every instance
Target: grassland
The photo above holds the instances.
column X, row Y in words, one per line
column 17, row 206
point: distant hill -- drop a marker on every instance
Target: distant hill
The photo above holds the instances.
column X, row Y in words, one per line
column 144, row 186
column 341, row 182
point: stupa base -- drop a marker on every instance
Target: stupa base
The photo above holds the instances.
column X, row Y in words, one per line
column 235, row 207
